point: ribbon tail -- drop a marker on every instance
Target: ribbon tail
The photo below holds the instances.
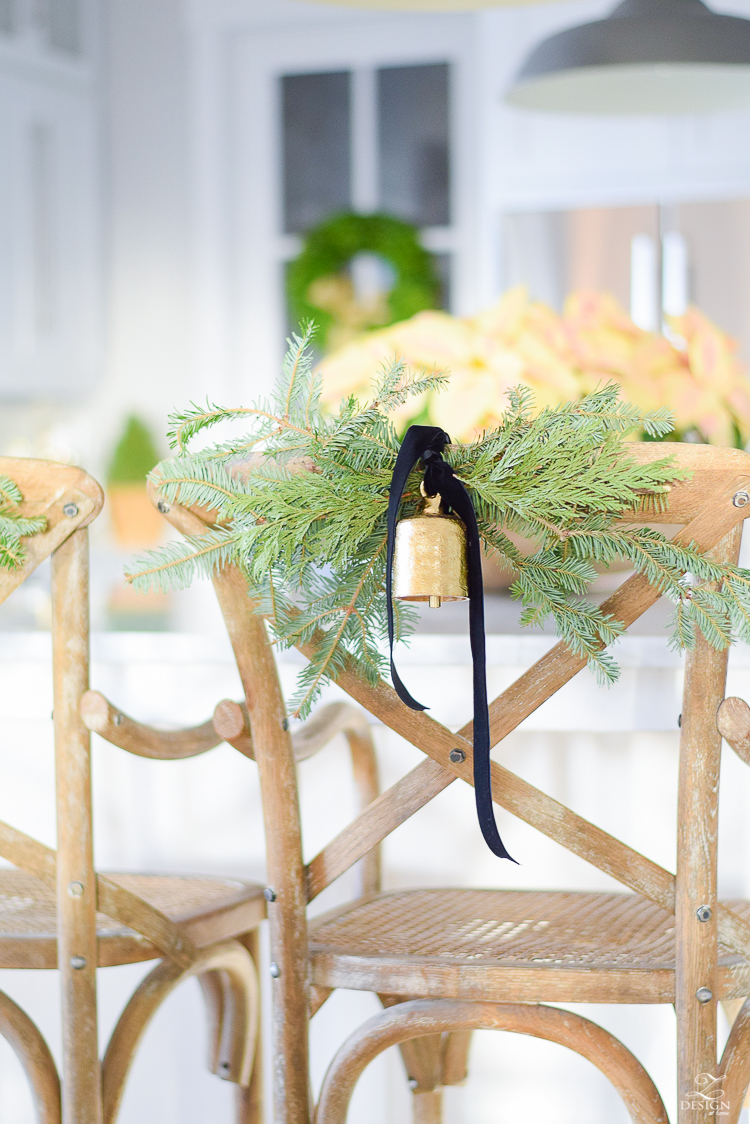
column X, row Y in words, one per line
column 460, row 501
column 402, row 692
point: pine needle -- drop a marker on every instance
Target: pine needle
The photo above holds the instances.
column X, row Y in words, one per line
column 305, row 518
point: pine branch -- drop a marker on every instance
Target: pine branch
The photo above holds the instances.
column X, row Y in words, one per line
column 305, row 519
column 14, row 527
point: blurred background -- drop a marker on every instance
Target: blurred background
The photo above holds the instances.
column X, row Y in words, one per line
column 163, row 159
column 162, row 163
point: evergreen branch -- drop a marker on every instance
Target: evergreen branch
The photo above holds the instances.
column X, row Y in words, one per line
column 14, row 527
column 306, row 521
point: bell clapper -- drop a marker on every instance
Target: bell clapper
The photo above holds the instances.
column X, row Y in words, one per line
column 435, row 601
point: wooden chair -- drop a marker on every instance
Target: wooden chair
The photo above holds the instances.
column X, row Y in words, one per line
column 56, row 912
column 441, row 973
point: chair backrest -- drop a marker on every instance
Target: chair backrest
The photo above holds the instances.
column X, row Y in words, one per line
column 710, row 506
column 69, row 499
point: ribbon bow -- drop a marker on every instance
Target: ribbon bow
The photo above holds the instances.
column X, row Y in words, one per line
column 427, row 442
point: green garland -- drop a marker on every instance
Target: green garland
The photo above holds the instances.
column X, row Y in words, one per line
column 331, row 245
column 14, row 527
column 306, row 521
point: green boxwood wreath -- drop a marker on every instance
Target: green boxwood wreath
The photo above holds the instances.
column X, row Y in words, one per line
column 331, row 245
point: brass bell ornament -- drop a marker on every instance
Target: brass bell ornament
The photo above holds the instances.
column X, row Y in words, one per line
column 430, row 556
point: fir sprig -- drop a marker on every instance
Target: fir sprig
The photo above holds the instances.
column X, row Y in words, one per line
column 300, row 503
column 14, row 527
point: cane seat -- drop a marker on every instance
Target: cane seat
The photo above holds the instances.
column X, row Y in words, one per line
column 503, row 946
column 207, row 909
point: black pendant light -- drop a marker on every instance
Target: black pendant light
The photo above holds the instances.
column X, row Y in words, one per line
column 647, row 56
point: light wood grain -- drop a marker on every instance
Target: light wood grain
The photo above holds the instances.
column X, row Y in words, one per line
column 735, row 1065
column 238, row 1018
column 733, row 723
column 416, row 1018
column 34, row 1055
column 697, row 819
column 76, row 912
column 47, row 489
column 109, row 722
column 286, row 874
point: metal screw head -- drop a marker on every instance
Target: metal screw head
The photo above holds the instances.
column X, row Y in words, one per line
column 704, row 995
column 269, row 894
column 274, row 970
column 118, row 719
column 163, row 507
column 224, row 1068
column 457, row 756
column 412, row 1083
column 703, row 913
column 75, row 889
column 741, row 499
column 78, row 961
column 71, row 510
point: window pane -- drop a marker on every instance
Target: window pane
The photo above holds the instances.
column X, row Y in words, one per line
column 316, row 147
column 444, row 268
column 414, row 153
column 61, row 21
column 7, row 23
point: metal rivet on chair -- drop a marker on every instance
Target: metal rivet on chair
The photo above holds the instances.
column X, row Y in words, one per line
column 274, row 970
column 269, row 894
column 741, row 499
column 71, row 510
column 78, row 962
column 163, row 507
column 457, row 756
column 118, row 719
column 703, row 913
column 75, row 889
column 704, row 995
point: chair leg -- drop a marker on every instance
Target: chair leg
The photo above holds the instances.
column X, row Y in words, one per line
column 237, row 1013
column 423, row 1017
column 428, row 1107
column 76, row 893
column 695, row 898
column 249, row 1099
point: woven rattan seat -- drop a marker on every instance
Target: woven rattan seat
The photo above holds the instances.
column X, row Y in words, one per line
column 207, row 909
column 509, row 945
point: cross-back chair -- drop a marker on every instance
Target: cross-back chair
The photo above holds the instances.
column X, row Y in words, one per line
column 438, row 972
column 57, row 912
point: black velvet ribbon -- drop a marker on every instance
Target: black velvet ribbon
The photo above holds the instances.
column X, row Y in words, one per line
column 427, row 442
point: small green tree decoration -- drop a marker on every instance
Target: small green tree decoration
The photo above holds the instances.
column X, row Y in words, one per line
column 14, row 526
column 135, row 454
column 301, row 501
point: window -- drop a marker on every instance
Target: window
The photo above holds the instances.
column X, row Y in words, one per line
column 316, row 114
column 654, row 259
column 369, row 139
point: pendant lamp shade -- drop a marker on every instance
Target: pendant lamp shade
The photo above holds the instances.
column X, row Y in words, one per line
column 647, row 56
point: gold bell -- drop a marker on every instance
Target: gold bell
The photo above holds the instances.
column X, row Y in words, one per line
column 430, row 558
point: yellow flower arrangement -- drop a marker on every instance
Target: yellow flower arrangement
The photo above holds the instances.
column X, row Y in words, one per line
column 699, row 376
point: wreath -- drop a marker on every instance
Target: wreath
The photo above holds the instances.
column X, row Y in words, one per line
column 328, row 249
